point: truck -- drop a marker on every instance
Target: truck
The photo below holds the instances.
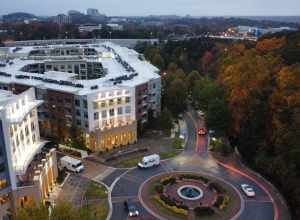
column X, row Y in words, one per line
column 149, row 161
column 71, row 164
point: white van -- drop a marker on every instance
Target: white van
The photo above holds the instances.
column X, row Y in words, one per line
column 71, row 164
column 149, row 161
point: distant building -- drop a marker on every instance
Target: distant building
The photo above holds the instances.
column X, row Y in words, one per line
column 92, row 12
column 115, row 27
column 62, row 19
column 74, row 12
column 89, row 28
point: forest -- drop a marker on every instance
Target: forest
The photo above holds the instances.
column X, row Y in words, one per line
column 250, row 93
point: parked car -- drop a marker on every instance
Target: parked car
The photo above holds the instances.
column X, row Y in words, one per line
column 71, row 164
column 131, row 209
column 248, row 190
column 149, row 161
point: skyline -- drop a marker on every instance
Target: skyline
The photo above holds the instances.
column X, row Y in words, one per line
column 155, row 7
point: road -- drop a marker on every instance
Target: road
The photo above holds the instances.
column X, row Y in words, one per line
column 194, row 158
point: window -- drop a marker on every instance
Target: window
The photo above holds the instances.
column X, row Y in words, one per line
column 119, row 101
column 78, row 122
column 96, row 116
column 33, row 138
column 3, row 183
column 84, row 103
column 104, row 114
column 127, row 109
column 78, row 113
column 77, row 102
column 85, row 115
column 103, row 104
column 82, row 66
column 120, row 111
column 127, row 100
column 111, row 112
column 32, row 126
column 26, row 131
column 111, row 102
column 2, row 167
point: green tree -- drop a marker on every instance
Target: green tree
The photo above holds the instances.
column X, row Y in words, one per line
column 192, row 78
column 176, row 96
column 158, row 61
column 165, row 120
column 218, row 117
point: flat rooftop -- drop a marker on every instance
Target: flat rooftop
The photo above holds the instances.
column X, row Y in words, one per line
column 123, row 66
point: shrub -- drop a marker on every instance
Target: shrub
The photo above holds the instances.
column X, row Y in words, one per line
column 222, row 202
column 159, row 188
column 167, row 200
column 168, row 180
column 173, row 209
column 217, row 187
column 203, row 211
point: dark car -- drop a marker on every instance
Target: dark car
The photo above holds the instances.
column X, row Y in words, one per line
column 131, row 209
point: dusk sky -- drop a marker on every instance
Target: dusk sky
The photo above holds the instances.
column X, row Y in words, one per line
column 142, row 7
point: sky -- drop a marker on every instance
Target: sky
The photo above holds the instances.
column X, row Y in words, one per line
column 156, row 7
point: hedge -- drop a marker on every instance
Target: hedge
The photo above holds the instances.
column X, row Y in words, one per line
column 174, row 209
column 168, row 180
column 203, row 211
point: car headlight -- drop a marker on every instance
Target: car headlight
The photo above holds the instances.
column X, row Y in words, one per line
column 137, row 212
column 130, row 214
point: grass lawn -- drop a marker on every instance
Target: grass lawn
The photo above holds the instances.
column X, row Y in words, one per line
column 169, row 154
column 95, row 191
column 97, row 201
column 127, row 163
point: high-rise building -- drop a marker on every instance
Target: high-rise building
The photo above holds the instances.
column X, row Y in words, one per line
column 62, row 19
column 27, row 170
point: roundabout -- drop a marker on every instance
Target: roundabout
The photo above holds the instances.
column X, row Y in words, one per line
column 182, row 195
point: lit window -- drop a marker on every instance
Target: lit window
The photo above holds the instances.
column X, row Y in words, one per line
column 3, row 183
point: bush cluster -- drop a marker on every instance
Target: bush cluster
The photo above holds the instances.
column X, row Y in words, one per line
column 168, row 180
column 159, row 188
column 217, row 187
column 222, row 202
column 174, row 209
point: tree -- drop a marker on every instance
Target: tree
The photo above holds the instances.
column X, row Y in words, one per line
column 176, row 96
column 165, row 120
column 158, row 61
column 192, row 78
column 32, row 213
column 218, row 117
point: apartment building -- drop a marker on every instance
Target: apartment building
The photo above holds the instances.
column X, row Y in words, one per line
column 102, row 89
column 27, row 170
